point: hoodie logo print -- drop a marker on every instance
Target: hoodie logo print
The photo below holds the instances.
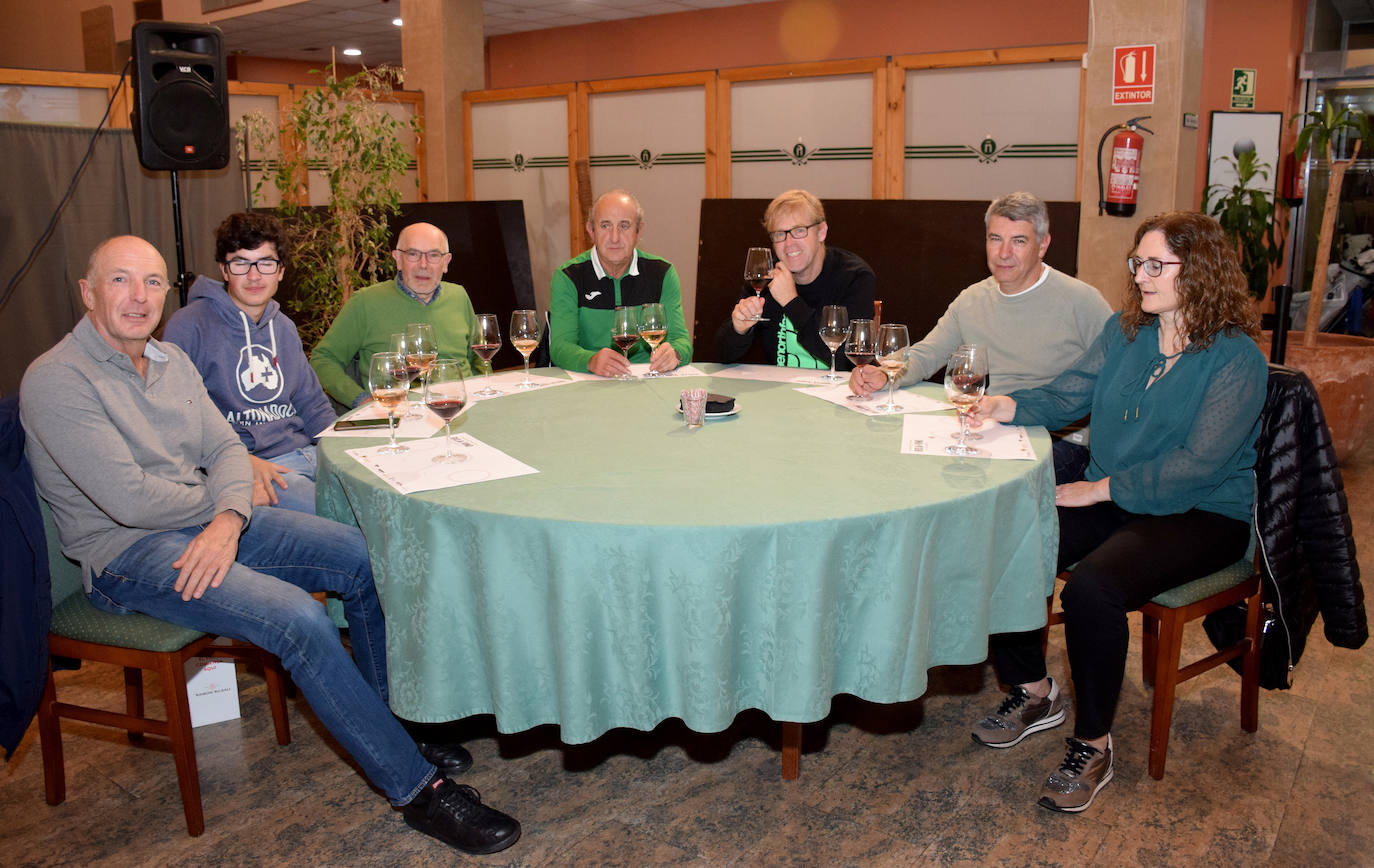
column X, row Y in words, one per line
column 258, row 378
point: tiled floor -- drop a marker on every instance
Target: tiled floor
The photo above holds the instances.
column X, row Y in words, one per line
column 880, row 785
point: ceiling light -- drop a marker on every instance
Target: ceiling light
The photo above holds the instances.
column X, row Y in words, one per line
column 352, row 52
column 396, row 21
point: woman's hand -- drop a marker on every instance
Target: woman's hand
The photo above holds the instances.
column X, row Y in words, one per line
column 1083, row 493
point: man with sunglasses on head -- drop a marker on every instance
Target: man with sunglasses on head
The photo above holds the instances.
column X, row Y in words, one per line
column 417, row 294
column 808, row 277
column 250, row 356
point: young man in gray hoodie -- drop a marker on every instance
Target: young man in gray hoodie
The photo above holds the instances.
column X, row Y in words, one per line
column 250, row 356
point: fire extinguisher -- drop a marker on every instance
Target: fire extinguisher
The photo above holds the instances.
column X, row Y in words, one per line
column 1123, row 179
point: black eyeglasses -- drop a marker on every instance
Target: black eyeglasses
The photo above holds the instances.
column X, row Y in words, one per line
column 241, row 267
column 433, row 257
column 795, row 231
column 1152, row 267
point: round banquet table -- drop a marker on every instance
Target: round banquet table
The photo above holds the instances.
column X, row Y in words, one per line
column 772, row 559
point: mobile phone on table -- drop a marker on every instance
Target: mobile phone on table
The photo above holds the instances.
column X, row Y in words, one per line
column 346, row 424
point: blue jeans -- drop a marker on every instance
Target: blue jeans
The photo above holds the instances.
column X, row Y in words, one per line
column 299, row 494
column 265, row 599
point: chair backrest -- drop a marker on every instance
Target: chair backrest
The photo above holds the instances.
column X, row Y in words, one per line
column 65, row 573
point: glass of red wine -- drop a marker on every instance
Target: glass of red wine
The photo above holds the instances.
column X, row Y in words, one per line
column 445, row 396
column 758, row 264
column 625, row 333
column 861, row 346
column 485, row 342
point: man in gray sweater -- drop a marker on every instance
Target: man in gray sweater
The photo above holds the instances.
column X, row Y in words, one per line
column 1033, row 320
column 152, row 494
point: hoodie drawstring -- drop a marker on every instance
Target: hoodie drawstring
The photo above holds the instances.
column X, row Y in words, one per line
column 248, row 342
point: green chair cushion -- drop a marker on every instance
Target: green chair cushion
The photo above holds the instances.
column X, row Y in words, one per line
column 76, row 618
column 1200, row 589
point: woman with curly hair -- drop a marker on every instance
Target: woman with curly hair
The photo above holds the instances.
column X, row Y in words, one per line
column 1175, row 384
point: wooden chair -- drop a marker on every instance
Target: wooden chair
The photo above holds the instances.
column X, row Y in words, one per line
column 134, row 642
column 1163, row 619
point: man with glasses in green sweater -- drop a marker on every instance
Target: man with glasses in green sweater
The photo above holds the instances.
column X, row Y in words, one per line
column 418, row 294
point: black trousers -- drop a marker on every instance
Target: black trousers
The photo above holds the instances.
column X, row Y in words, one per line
column 1123, row 559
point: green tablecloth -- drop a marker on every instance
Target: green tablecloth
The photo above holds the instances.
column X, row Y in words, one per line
column 769, row 560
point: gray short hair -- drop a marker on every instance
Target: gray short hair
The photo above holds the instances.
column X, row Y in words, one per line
column 1021, row 206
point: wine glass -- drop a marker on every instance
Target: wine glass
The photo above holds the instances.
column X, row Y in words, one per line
column 893, row 340
column 653, row 328
column 834, row 330
column 398, row 345
column 757, row 265
column 861, row 348
column 625, row 333
column 524, row 336
column 387, row 379
column 966, row 376
column 445, row 395
column 485, row 342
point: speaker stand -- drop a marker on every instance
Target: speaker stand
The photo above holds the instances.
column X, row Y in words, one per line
column 183, row 279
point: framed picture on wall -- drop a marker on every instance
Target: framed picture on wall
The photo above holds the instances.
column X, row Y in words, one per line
column 1232, row 134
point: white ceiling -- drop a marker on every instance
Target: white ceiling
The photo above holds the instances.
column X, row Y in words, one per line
column 307, row 31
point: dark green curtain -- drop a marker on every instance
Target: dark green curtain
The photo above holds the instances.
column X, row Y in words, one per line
column 114, row 196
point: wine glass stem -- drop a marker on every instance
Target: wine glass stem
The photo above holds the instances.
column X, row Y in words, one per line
column 527, row 369
column 832, row 364
column 963, row 428
column 448, row 439
column 486, row 384
column 391, row 426
column 891, row 392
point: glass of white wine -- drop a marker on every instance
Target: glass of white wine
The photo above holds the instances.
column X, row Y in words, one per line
column 421, row 350
column 485, row 342
column 834, row 330
column 524, row 336
column 625, row 333
column 387, row 379
column 966, row 377
column 398, row 345
column 653, row 328
column 893, row 339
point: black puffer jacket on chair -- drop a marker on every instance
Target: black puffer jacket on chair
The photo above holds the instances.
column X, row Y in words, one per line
column 1308, row 551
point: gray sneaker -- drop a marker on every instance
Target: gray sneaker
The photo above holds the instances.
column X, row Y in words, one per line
column 1019, row 715
column 1084, row 771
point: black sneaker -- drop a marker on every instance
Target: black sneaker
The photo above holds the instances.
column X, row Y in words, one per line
column 451, row 759
column 454, row 814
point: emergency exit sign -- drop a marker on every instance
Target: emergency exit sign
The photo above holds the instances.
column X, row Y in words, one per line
column 1133, row 75
column 1242, row 88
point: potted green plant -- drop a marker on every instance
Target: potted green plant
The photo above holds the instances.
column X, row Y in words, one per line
column 1340, row 366
column 1250, row 218
column 342, row 130
column 1319, row 136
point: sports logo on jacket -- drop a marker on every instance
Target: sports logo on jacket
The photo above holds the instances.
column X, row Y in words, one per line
column 257, row 375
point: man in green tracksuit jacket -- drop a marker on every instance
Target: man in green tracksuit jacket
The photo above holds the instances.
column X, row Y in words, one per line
column 587, row 289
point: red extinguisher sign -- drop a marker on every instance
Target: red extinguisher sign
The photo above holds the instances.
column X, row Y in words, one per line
column 1133, row 75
